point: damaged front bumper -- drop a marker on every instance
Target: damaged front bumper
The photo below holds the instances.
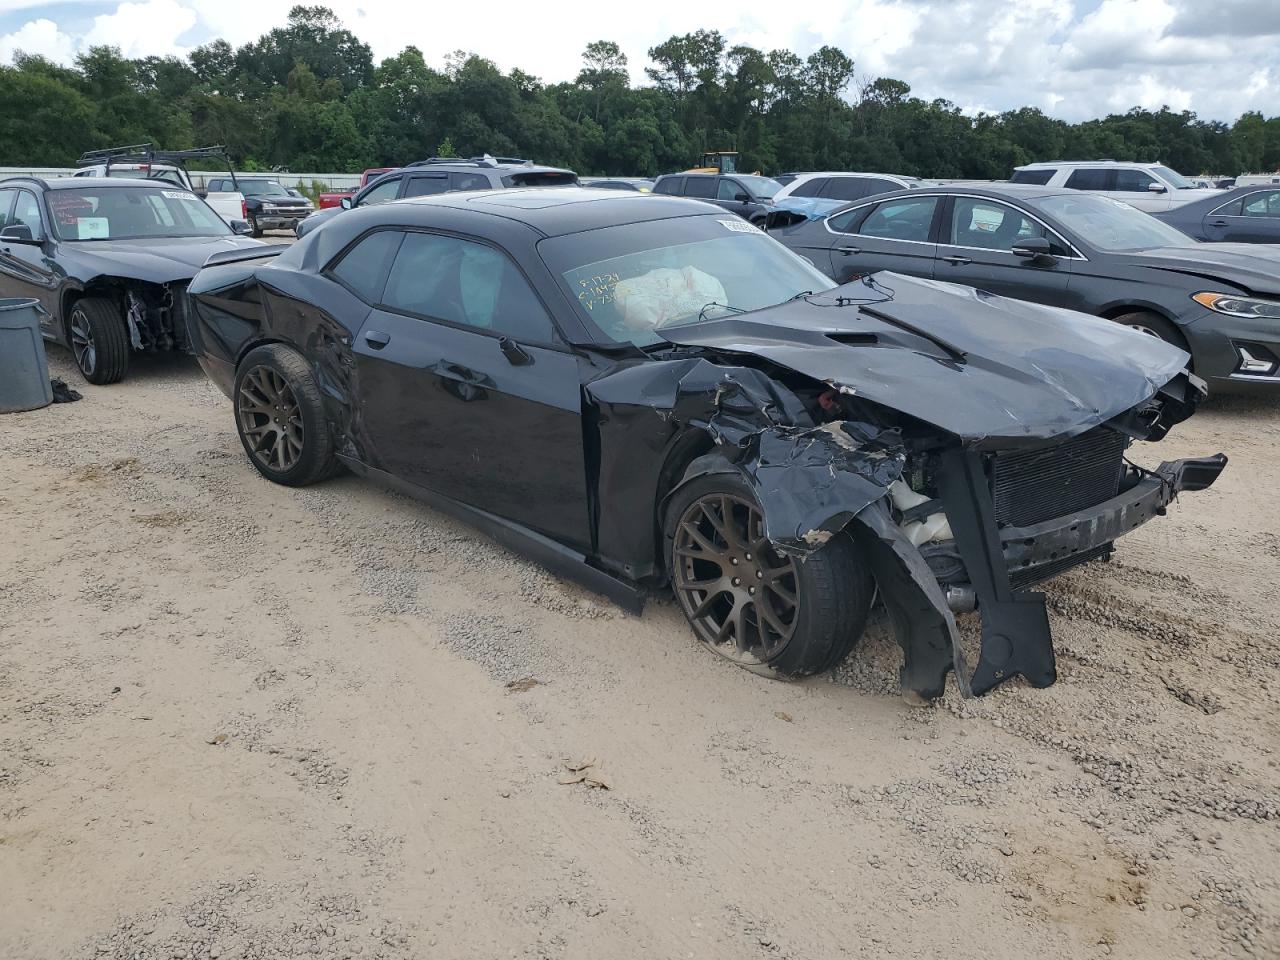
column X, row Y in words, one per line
column 990, row 566
column 1035, row 553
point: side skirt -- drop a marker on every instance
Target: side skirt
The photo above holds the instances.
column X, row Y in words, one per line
column 556, row 557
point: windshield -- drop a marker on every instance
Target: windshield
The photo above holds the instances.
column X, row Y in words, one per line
column 1110, row 224
column 633, row 280
column 261, row 188
column 132, row 213
column 762, row 187
column 1172, row 177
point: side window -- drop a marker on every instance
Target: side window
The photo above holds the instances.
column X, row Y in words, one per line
column 468, row 181
column 1088, row 178
column 880, row 186
column 703, row 187
column 213, row 186
column 382, row 192
column 810, row 188
column 363, row 269
column 1262, row 205
column 467, row 283
column 989, row 225
column 669, row 185
column 27, row 210
column 728, row 189
column 426, row 186
column 1133, row 181
column 1231, row 209
column 907, row 219
column 845, row 188
column 6, row 204
column 1037, row 177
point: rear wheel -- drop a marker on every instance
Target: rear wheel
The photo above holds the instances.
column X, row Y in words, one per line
column 99, row 340
column 770, row 613
column 280, row 417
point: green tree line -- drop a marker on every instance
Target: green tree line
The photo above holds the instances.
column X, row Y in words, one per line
column 309, row 96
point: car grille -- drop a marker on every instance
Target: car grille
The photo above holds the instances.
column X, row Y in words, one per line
column 1032, row 486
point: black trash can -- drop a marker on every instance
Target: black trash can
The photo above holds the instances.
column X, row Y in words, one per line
column 24, row 368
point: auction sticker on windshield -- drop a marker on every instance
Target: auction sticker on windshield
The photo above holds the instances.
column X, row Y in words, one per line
column 93, row 228
column 739, row 226
column 179, row 195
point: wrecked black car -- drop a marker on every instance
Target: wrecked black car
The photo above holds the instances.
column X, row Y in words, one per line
column 639, row 392
column 108, row 259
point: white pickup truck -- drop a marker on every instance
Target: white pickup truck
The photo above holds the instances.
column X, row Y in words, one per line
column 147, row 163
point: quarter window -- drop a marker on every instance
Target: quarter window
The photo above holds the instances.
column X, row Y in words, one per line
column 908, row 219
column 469, row 181
column 668, row 185
column 364, row 268
column 990, row 226
column 1088, row 178
column 466, row 283
column 846, row 188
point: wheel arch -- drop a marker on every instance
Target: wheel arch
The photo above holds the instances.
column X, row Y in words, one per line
column 101, row 285
column 684, row 450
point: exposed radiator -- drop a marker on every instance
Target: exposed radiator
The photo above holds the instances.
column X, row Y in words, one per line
column 1036, row 485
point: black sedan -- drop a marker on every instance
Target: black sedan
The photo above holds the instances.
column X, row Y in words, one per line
column 1242, row 215
column 643, row 390
column 108, row 259
column 1219, row 302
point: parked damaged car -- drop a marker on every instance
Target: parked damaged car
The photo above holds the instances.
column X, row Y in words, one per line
column 642, row 392
column 108, row 259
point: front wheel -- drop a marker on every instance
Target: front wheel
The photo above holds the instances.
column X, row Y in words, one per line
column 770, row 613
column 254, row 229
column 99, row 340
column 280, row 417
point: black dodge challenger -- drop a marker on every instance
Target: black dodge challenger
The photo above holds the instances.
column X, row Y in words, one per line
column 640, row 391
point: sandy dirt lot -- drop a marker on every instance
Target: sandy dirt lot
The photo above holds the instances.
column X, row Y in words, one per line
column 244, row 721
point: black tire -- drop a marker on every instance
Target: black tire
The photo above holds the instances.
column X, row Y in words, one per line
column 286, row 434
column 99, row 339
column 253, row 226
column 1153, row 325
column 833, row 587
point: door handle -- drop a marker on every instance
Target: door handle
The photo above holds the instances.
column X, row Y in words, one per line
column 1212, row 223
column 848, row 251
column 957, row 261
column 377, row 339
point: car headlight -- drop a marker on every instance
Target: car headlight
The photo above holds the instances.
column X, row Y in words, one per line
column 1236, row 306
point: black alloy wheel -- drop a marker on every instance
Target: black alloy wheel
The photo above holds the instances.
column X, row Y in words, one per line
column 739, row 594
column 99, row 339
column 82, row 343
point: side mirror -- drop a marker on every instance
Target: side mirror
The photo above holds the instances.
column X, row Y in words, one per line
column 743, row 198
column 241, row 227
column 1157, row 187
column 18, row 233
column 345, row 202
column 1035, row 249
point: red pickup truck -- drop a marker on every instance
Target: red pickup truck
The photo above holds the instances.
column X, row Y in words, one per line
column 334, row 198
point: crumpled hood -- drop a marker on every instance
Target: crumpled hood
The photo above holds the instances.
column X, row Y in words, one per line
column 991, row 370
column 158, row 259
column 1254, row 267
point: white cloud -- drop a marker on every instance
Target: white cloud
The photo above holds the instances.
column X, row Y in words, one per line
column 1070, row 58
column 38, row 37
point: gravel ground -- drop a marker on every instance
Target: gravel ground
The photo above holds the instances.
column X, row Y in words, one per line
column 244, row 721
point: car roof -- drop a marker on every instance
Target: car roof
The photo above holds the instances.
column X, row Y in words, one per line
column 1041, row 164
column 850, row 173
column 111, row 183
column 995, row 190
column 554, row 211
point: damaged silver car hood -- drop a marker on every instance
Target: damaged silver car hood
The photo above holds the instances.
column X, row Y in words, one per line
column 991, row 370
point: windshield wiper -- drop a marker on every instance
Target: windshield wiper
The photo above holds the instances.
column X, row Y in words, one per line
column 802, row 293
column 702, row 314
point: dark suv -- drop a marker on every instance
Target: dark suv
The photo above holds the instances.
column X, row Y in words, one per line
column 747, row 195
column 445, row 175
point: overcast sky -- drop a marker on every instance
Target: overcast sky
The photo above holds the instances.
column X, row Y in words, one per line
column 1074, row 59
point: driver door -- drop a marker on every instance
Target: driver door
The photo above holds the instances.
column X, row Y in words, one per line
column 464, row 389
column 895, row 235
column 26, row 267
column 975, row 249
